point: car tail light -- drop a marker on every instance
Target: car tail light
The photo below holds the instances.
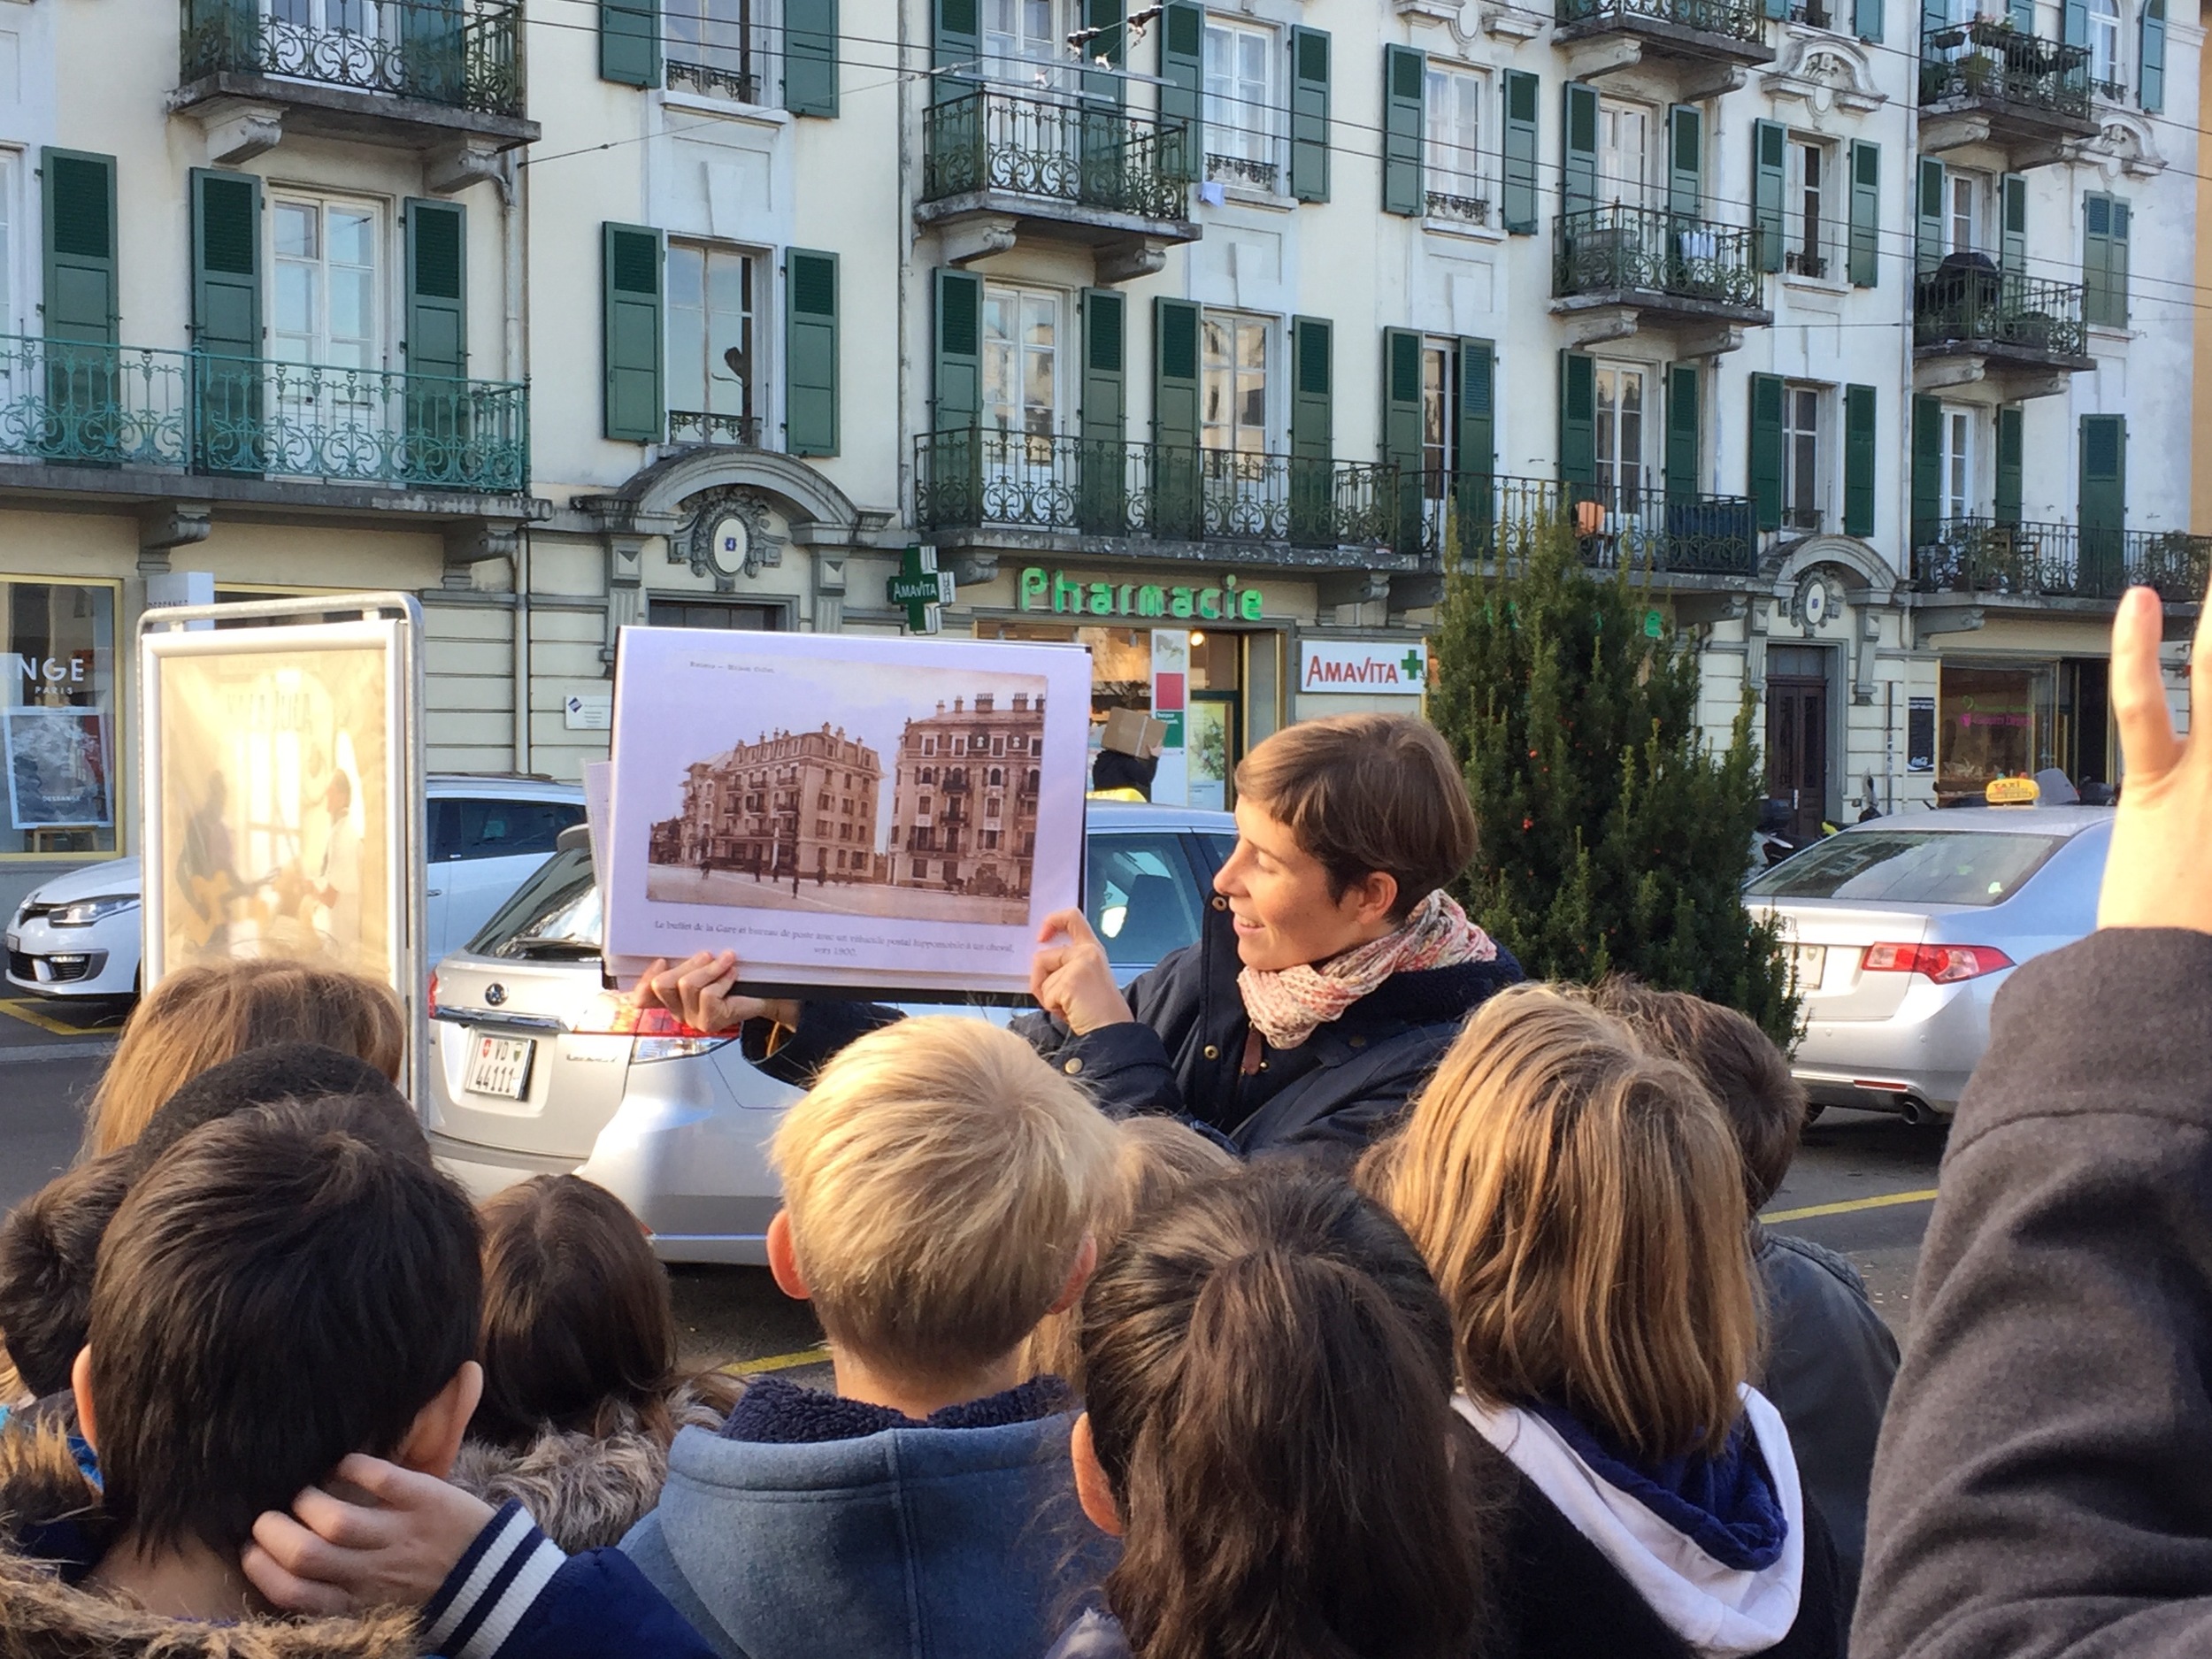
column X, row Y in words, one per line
column 433, row 998
column 1946, row 964
column 656, row 1033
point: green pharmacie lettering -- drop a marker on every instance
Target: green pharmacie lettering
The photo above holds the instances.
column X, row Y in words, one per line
column 1062, row 594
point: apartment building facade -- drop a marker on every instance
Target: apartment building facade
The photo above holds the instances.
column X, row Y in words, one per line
column 787, row 805
column 1854, row 328
column 963, row 800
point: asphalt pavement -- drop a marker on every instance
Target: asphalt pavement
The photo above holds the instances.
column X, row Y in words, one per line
column 1863, row 1184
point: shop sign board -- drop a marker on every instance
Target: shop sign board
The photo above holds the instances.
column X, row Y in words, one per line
column 1364, row 668
column 1062, row 594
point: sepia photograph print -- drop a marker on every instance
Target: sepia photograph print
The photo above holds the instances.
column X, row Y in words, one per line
column 896, row 797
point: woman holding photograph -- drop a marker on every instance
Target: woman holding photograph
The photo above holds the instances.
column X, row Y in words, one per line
column 1330, row 975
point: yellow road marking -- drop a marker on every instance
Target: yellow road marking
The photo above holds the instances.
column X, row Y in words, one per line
column 25, row 1012
column 778, row 1362
column 1881, row 1201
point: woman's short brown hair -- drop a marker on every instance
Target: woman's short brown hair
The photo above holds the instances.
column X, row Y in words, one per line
column 1367, row 793
column 1580, row 1201
column 201, row 1016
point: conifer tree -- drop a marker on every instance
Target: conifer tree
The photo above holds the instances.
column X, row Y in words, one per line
column 1613, row 839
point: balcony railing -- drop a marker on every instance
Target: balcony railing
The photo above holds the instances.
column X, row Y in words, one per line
column 971, row 478
column 1608, row 249
column 1451, row 204
column 2060, row 561
column 1090, row 155
column 192, row 411
column 1741, row 19
column 741, row 85
column 467, row 54
column 1989, row 59
column 1246, row 170
column 704, row 426
column 1484, row 518
column 1967, row 301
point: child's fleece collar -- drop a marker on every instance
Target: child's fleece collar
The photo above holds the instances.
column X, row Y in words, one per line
column 776, row 1412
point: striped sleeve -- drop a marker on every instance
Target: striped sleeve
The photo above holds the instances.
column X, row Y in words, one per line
column 487, row 1594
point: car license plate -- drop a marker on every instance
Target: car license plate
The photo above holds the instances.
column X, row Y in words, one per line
column 501, row 1065
column 1806, row 963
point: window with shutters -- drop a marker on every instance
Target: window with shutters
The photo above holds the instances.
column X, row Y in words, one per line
column 325, row 303
column 1022, row 375
column 715, row 379
column 1804, row 456
column 1814, row 14
column 716, row 47
column 1243, row 127
column 1233, row 397
column 2104, row 48
column 1623, row 154
column 1957, row 487
column 1964, row 217
column 1623, row 435
column 1440, row 417
column 1452, row 170
column 1816, row 202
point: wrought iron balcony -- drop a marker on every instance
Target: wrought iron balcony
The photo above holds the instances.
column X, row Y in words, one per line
column 1089, row 155
column 1481, row 517
column 1731, row 19
column 705, row 427
column 739, row 85
column 2056, row 561
column 1625, row 252
column 463, row 53
column 1967, row 304
column 1988, row 62
column 973, row 479
column 192, row 411
column 1447, row 204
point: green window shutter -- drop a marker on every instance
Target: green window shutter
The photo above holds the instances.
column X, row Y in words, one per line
column 1859, row 460
column 1769, row 157
column 1478, row 409
column 1579, row 148
column 1107, row 18
column 631, row 279
column 1183, row 72
column 1685, row 161
column 2104, row 507
column 1405, row 74
column 1684, row 429
column 1927, row 469
column 2104, row 260
column 1401, row 399
column 225, row 263
column 1105, row 412
column 437, row 289
column 1578, row 419
column 809, row 387
column 2021, row 15
column 1866, row 19
column 2012, row 200
column 956, row 38
column 2117, row 263
column 1766, row 449
column 1928, row 216
column 956, row 392
column 1866, row 214
column 809, row 56
column 1174, row 373
column 79, row 210
column 1934, row 14
column 2074, row 22
column 1312, row 389
column 1309, row 115
column 2008, row 463
column 2151, row 88
column 1520, row 152
column 630, row 42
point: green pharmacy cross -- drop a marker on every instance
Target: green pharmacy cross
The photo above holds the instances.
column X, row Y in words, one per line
column 922, row 589
column 1414, row 666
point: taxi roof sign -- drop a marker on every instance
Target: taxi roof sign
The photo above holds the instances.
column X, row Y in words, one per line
column 2012, row 792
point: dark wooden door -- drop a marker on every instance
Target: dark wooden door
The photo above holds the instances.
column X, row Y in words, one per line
column 1797, row 750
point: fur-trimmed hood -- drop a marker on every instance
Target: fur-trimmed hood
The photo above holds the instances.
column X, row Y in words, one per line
column 42, row 1617
column 586, row 1491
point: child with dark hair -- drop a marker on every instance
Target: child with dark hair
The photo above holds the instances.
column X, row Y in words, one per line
column 48, row 1247
column 1269, row 1433
column 581, row 1394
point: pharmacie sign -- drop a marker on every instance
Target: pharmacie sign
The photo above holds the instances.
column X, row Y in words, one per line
column 1378, row 668
column 1064, row 594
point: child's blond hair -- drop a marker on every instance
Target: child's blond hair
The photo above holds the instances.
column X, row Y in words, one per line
column 940, row 1179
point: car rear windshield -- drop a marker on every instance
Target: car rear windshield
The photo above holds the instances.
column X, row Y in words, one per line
column 1910, row 866
column 553, row 914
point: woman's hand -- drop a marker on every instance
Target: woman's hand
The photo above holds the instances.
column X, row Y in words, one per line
column 2157, row 873
column 1071, row 981
column 702, row 991
column 332, row 1556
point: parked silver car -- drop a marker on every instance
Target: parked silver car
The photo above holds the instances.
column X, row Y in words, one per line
column 534, row 1067
column 1900, row 930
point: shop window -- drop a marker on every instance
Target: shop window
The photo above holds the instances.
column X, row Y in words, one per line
column 58, row 718
column 1994, row 720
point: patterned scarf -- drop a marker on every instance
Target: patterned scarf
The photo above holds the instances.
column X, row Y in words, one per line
column 1288, row 1004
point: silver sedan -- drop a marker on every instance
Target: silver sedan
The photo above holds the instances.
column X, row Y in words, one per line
column 1900, row 930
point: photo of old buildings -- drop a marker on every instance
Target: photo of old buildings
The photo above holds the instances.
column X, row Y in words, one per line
column 789, row 803
column 964, row 801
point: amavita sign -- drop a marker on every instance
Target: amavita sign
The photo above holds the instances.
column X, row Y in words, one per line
column 1379, row 668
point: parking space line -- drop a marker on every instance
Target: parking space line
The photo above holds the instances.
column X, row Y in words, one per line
column 1880, row 1201
column 778, row 1362
column 29, row 1015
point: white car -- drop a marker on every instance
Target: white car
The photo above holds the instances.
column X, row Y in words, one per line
column 535, row 1069
column 78, row 935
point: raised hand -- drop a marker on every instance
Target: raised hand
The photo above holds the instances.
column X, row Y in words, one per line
column 1070, row 976
column 2159, row 871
